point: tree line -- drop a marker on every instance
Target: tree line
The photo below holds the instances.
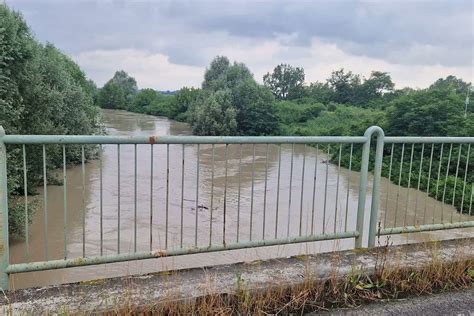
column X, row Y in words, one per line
column 42, row 91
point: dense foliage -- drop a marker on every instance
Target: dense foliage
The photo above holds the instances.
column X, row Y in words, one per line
column 42, row 91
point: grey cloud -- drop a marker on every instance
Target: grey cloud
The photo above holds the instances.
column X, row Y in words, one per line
column 188, row 31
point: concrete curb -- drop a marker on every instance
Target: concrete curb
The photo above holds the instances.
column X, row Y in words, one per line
column 146, row 290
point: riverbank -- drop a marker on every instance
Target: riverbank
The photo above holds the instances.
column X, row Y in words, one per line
column 303, row 283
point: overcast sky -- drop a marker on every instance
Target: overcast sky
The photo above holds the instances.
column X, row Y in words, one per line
column 168, row 44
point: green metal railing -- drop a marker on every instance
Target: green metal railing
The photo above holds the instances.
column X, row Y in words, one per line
column 350, row 145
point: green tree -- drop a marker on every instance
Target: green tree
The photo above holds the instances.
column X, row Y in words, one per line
column 215, row 115
column 344, row 85
column 127, row 83
column 111, row 96
column 286, row 82
column 144, row 99
column 429, row 112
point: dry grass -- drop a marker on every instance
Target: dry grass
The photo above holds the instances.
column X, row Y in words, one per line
column 312, row 294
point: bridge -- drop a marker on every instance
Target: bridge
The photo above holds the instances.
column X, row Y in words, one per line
column 303, row 222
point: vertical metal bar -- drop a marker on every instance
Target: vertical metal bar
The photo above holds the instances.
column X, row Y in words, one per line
column 64, row 202
column 151, row 197
column 118, row 198
column 225, row 197
column 374, row 206
column 265, row 195
column 212, row 196
column 278, row 191
column 182, row 197
column 428, row 185
column 252, row 190
column 101, row 200
column 437, row 182
column 348, row 186
column 445, row 182
column 135, row 200
column 456, row 178
column 409, row 184
column 302, row 190
column 465, row 180
column 314, row 188
column 472, row 194
column 25, row 189
column 419, row 181
column 83, row 202
column 326, row 189
column 399, row 184
column 388, row 185
column 289, row 191
column 238, row 193
column 168, row 191
column 45, row 204
column 337, row 187
column 4, row 210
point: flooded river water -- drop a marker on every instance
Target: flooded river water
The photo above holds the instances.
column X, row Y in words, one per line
column 171, row 205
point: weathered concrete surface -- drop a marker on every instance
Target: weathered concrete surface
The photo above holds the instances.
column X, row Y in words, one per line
column 447, row 303
column 116, row 293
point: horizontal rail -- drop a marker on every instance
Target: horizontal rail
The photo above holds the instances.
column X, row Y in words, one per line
column 60, row 264
column 427, row 140
column 98, row 139
column 422, row 228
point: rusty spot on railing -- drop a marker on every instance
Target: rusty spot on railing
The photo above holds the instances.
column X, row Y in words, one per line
column 151, row 140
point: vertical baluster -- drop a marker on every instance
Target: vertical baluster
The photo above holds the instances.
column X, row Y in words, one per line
column 419, row 181
column 289, row 191
column 302, row 190
column 278, row 191
column 428, row 185
column 225, row 196
column 314, row 188
column 25, row 189
column 168, row 191
column 64, row 201
column 238, row 193
column 437, row 182
column 212, row 197
column 118, row 198
column 265, row 194
column 337, row 187
column 409, row 184
column 388, row 185
column 465, row 180
column 326, row 188
column 472, row 194
column 182, row 197
column 252, row 190
column 456, row 178
column 101, row 199
column 348, row 185
column 135, row 200
column 83, row 202
column 399, row 184
column 445, row 182
column 197, row 197
column 45, row 204
column 151, row 197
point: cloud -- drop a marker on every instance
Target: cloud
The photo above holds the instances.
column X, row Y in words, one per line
column 150, row 70
column 432, row 37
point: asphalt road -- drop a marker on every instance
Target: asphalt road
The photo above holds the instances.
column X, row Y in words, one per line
column 449, row 303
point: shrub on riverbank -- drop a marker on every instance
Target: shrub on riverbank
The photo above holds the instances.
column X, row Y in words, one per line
column 42, row 91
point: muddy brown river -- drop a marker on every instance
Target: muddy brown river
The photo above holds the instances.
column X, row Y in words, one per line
column 288, row 219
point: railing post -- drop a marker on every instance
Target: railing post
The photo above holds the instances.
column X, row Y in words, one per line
column 374, row 207
column 364, row 171
column 4, row 213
